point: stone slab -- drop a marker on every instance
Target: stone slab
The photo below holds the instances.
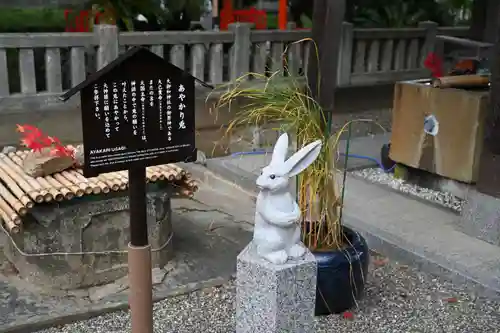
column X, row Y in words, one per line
column 408, row 230
column 275, row 298
column 243, row 169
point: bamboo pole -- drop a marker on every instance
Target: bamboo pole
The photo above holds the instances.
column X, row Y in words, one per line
column 58, row 189
column 84, row 186
column 176, row 168
column 109, row 184
column 170, row 174
column 123, row 179
column 192, row 185
column 124, row 175
column 158, row 172
column 458, row 81
column 9, row 223
column 54, row 191
column 12, row 201
column 179, row 172
column 67, row 189
column 47, row 197
column 37, row 197
column 68, row 193
column 75, row 189
column 10, row 212
column 14, row 188
column 96, row 184
column 105, row 187
column 185, row 192
column 112, row 182
column 151, row 175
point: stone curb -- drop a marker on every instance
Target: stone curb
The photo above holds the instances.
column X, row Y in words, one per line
column 428, row 262
column 43, row 322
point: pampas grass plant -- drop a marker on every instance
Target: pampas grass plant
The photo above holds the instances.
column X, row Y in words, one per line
column 291, row 106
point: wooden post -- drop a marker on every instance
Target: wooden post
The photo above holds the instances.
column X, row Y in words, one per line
column 322, row 77
column 107, row 41
column 489, row 169
column 139, row 255
column 345, row 59
column 484, row 20
column 240, row 53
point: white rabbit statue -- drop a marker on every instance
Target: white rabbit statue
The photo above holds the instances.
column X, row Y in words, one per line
column 276, row 236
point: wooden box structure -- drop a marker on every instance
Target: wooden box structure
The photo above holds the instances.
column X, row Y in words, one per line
column 454, row 150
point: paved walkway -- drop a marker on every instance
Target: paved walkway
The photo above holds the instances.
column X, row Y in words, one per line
column 207, row 240
column 399, row 299
column 395, row 224
column 212, row 229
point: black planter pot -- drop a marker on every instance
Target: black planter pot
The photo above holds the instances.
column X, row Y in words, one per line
column 386, row 161
column 341, row 275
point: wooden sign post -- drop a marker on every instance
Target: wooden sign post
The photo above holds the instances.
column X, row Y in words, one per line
column 137, row 111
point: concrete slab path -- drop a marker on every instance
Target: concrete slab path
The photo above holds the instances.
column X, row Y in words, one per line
column 207, row 240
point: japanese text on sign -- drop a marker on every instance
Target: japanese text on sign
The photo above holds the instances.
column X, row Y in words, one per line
column 168, row 88
column 114, row 107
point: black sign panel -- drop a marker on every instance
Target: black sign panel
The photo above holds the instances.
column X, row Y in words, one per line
column 139, row 111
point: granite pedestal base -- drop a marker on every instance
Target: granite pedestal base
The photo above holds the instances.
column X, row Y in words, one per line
column 275, row 298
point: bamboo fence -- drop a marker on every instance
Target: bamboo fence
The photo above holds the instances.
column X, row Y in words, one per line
column 19, row 192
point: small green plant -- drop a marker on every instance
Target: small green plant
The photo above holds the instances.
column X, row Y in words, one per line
column 32, row 20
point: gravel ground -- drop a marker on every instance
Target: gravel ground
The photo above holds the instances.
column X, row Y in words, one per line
column 377, row 175
column 399, row 299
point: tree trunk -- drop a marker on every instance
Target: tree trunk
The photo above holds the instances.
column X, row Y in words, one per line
column 489, row 177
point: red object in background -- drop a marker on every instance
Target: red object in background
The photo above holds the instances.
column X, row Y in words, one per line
column 282, row 15
column 252, row 15
column 80, row 21
column 434, row 64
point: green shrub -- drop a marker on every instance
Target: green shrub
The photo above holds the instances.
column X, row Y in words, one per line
column 31, row 20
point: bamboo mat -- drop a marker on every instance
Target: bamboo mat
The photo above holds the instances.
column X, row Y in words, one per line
column 19, row 192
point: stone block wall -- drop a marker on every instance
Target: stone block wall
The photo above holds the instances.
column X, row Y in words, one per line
column 95, row 231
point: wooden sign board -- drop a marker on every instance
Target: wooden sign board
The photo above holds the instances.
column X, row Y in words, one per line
column 137, row 111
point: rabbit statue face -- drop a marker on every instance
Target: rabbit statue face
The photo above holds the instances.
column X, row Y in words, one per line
column 276, row 175
column 272, row 181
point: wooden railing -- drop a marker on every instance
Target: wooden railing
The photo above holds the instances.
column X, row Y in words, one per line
column 36, row 68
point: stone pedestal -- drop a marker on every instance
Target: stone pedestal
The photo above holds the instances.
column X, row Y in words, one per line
column 95, row 233
column 275, row 298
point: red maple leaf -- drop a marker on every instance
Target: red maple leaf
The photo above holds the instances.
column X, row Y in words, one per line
column 348, row 315
column 46, row 141
column 36, row 146
column 53, row 139
column 35, row 140
column 434, row 64
column 31, row 128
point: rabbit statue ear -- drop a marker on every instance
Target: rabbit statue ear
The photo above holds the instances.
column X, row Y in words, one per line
column 303, row 158
column 280, row 150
